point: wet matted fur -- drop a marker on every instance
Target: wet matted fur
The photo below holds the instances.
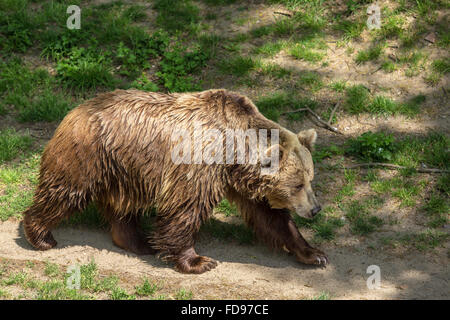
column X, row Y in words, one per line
column 116, row 150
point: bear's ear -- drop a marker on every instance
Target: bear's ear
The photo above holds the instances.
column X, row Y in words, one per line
column 282, row 155
column 308, row 138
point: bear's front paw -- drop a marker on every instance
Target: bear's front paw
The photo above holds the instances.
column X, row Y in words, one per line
column 196, row 264
column 312, row 256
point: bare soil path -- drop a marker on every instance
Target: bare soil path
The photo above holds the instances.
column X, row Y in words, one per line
column 251, row 271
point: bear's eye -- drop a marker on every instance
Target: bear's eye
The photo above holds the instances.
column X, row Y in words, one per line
column 299, row 186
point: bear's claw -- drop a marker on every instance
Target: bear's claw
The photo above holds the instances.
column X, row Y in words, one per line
column 322, row 260
column 312, row 256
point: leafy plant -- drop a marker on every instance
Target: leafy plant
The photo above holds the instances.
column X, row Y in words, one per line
column 143, row 83
column 84, row 69
column 176, row 68
column 372, row 146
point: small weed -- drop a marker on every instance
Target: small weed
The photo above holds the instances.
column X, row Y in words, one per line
column 388, row 66
column 357, row 97
column 338, row 86
column 226, row 208
column 184, row 294
column 143, row 83
column 350, row 29
column 437, row 209
column 146, row 288
column 118, row 293
column 370, row 54
column 310, row 79
column 372, row 147
column 51, row 269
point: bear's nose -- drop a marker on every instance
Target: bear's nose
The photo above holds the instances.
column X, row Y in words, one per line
column 316, row 210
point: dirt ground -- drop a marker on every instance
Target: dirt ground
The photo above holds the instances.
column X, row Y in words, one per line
column 251, row 271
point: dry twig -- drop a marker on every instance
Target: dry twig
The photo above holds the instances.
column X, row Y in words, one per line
column 283, row 13
column 323, row 123
column 394, row 167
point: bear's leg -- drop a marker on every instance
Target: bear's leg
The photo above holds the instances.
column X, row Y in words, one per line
column 127, row 235
column 125, row 230
column 174, row 238
column 278, row 229
column 41, row 217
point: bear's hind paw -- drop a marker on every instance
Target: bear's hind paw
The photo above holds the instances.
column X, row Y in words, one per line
column 197, row 265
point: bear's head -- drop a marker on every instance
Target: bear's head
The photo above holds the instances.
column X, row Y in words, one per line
column 290, row 187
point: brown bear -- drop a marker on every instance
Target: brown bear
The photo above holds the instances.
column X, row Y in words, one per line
column 117, row 150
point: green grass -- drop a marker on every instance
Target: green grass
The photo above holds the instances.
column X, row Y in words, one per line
column 338, row 86
column 90, row 218
column 177, row 67
column 271, row 105
column 322, row 296
column 13, row 144
column 49, row 106
column 176, row 15
column 348, row 187
column 407, row 190
column 227, row 231
column 51, row 269
column 388, row 66
column 84, row 70
column 184, row 294
column 147, row 288
column 310, row 49
column 310, row 80
column 273, row 70
column 324, row 225
column 143, row 83
column 356, row 100
column 239, row 66
column 350, row 29
column 411, row 151
column 359, row 100
column 372, row 146
column 361, row 221
column 443, row 184
column 437, row 209
column 270, row 48
column 33, row 95
column 431, row 149
column 439, row 68
column 425, row 240
column 323, row 152
column 392, row 26
column 227, row 209
column 370, row 54
column 118, row 293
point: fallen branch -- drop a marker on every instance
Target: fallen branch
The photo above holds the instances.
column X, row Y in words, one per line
column 323, row 123
column 394, row 167
column 378, row 69
column 283, row 13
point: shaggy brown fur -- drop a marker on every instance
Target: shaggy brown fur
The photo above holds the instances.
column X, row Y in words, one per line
column 116, row 150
